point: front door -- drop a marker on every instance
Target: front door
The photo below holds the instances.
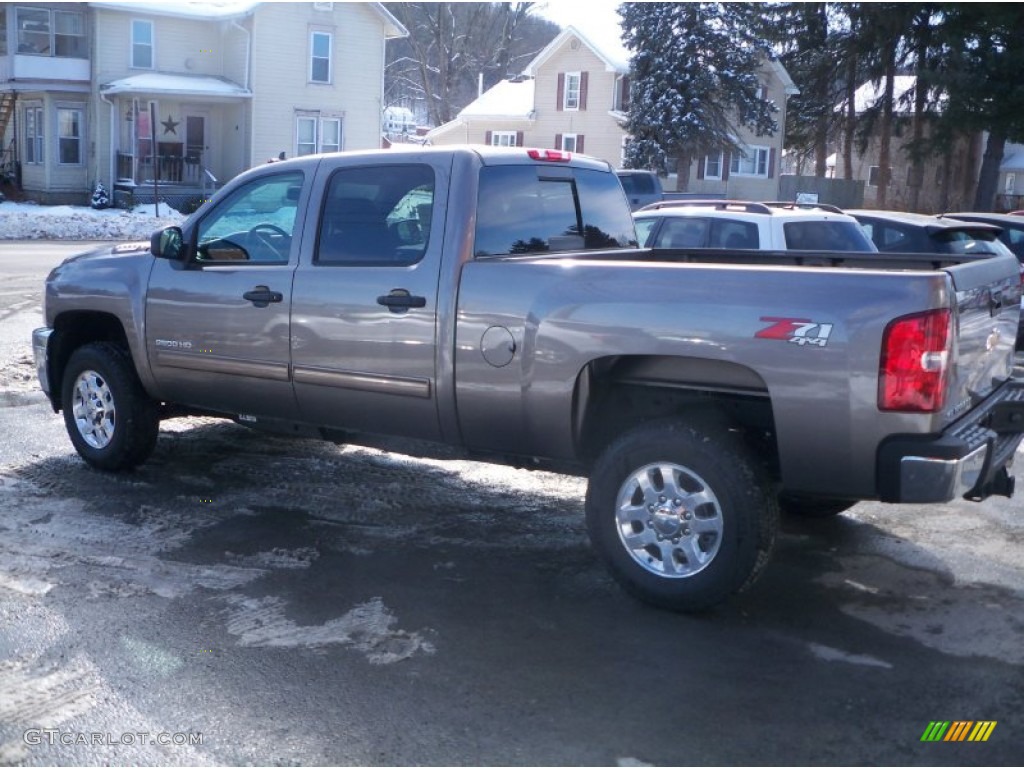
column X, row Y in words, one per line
column 217, row 327
column 364, row 315
column 196, row 149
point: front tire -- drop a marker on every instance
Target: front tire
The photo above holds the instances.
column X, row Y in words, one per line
column 681, row 514
column 110, row 419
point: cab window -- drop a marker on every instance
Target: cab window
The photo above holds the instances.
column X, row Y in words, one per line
column 254, row 225
column 376, row 216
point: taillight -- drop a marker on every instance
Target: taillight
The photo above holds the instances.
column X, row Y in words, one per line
column 551, row 155
column 915, row 361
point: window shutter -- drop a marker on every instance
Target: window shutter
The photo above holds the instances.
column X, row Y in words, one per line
column 519, row 138
column 771, row 163
column 487, row 138
column 624, row 97
column 726, row 162
column 701, row 163
column 583, row 91
column 561, row 92
column 579, row 143
column 558, row 141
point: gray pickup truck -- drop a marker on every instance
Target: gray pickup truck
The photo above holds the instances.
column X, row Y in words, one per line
column 496, row 300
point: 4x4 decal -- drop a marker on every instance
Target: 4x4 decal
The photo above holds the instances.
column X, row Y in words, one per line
column 795, row 330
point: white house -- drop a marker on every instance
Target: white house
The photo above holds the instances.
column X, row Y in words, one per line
column 187, row 93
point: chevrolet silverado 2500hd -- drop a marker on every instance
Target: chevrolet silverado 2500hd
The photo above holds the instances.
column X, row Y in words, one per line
column 495, row 300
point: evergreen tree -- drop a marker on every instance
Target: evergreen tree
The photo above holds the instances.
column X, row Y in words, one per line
column 981, row 71
column 693, row 81
column 100, row 199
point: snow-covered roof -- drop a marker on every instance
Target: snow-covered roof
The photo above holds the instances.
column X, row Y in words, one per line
column 229, row 9
column 189, row 9
column 1012, row 163
column 612, row 53
column 870, row 93
column 177, row 85
column 509, row 99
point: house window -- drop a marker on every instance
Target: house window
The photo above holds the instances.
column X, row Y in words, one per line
column 320, row 57
column 69, row 35
column 330, row 135
column 34, row 31
column 305, row 142
column 569, row 142
column 1011, row 184
column 314, row 134
column 750, row 161
column 3, row 34
column 69, row 136
column 142, row 44
column 503, row 139
column 874, row 173
column 34, row 135
column 572, row 91
column 713, row 166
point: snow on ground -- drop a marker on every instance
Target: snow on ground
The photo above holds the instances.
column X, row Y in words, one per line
column 29, row 221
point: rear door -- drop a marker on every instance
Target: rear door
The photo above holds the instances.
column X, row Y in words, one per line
column 364, row 316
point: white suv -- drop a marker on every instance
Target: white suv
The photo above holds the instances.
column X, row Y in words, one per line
column 734, row 225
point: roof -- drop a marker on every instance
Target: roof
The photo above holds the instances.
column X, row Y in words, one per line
column 508, row 100
column 915, row 219
column 1012, row 163
column 615, row 56
column 230, row 9
column 177, row 85
column 188, row 9
column 870, row 94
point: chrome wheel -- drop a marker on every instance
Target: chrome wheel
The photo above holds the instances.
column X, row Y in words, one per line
column 669, row 520
column 93, row 409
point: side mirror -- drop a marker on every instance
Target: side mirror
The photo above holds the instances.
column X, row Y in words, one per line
column 168, row 243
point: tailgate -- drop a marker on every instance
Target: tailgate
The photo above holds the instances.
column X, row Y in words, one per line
column 987, row 296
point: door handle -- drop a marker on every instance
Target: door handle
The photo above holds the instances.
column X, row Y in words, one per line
column 261, row 296
column 400, row 300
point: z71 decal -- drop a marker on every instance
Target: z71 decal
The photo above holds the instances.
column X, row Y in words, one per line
column 795, row 330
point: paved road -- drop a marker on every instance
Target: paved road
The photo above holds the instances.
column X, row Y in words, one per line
column 302, row 603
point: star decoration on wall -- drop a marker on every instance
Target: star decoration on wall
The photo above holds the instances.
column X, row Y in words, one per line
column 169, row 126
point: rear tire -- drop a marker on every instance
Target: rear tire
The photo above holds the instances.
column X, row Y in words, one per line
column 110, row 419
column 681, row 514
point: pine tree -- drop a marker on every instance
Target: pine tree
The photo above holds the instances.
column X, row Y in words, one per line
column 693, row 81
column 100, row 198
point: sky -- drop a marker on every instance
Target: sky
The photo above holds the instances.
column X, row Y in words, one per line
column 597, row 19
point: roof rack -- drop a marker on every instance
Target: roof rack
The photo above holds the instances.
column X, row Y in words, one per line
column 718, row 205
column 794, row 205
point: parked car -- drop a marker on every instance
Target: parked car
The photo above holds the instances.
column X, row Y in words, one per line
column 641, row 187
column 895, row 232
column 898, row 232
column 737, row 225
column 1012, row 235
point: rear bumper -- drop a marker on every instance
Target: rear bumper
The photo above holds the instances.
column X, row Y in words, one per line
column 970, row 459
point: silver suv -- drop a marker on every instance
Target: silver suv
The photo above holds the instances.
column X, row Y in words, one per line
column 735, row 225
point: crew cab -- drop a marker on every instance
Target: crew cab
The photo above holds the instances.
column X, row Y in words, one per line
column 496, row 300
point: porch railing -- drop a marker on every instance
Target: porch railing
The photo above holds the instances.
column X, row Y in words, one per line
column 164, row 168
